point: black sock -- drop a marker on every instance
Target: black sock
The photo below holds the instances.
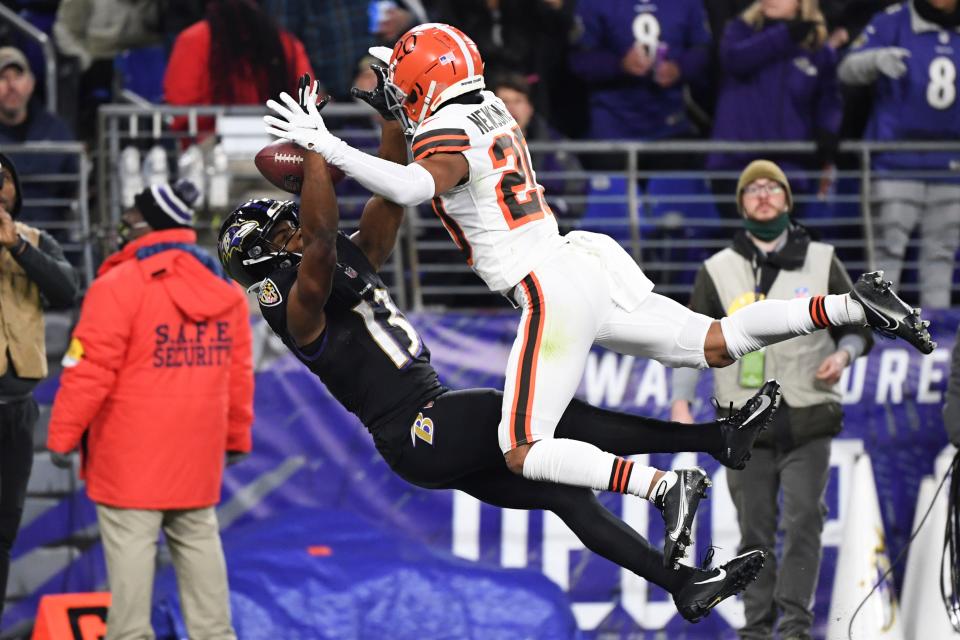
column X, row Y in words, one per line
column 625, row 434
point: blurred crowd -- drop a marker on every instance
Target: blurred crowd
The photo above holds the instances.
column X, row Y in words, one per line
column 639, row 70
column 652, row 70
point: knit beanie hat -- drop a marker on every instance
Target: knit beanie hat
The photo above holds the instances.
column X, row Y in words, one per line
column 5, row 163
column 762, row 169
column 166, row 206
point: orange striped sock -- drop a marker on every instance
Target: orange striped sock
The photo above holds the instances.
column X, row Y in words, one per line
column 818, row 312
column 620, row 474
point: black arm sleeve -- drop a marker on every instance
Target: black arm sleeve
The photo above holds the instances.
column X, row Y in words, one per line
column 705, row 298
column 839, row 283
column 46, row 265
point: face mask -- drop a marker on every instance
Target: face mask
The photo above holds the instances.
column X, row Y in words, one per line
column 768, row 229
column 124, row 231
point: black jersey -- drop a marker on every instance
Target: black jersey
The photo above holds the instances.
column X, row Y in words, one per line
column 369, row 356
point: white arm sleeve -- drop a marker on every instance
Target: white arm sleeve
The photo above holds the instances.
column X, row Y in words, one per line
column 405, row 185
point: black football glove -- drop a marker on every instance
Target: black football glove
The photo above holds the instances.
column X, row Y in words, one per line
column 378, row 97
column 305, row 88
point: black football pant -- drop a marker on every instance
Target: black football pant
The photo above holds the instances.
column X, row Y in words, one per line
column 463, row 453
column 16, row 459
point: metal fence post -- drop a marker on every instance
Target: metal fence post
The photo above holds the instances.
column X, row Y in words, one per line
column 868, row 238
column 409, row 231
column 84, row 209
column 633, row 202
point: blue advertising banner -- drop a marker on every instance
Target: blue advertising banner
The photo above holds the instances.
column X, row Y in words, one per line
column 310, row 453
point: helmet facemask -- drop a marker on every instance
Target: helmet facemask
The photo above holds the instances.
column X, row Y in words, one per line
column 396, row 101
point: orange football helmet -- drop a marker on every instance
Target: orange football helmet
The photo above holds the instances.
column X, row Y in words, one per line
column 430, row 64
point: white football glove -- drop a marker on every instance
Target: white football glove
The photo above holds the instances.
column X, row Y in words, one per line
column 890, row 61
column 301, row 122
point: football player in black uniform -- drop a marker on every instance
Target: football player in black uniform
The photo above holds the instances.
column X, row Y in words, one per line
column 319, row 291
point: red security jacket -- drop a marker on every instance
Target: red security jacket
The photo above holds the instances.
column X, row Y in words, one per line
column 158, row 377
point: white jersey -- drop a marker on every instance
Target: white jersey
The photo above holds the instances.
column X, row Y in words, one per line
column 499, row 217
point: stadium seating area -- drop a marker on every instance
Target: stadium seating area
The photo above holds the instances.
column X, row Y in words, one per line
column 128, row 135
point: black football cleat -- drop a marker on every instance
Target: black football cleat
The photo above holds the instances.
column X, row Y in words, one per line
column 741, row 428
column 678, row 505
column 888, row 315
column 706, row 589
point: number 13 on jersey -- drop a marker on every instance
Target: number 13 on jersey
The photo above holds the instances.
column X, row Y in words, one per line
column 383, row 319
column 519, row 196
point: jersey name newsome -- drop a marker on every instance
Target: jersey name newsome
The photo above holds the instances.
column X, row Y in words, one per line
column 489, row 117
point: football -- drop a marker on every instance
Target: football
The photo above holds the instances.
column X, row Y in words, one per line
column 281, row 163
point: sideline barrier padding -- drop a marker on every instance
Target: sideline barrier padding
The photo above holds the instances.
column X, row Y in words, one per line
column 72, row 616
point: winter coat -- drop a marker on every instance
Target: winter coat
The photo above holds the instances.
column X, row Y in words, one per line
column 187, row 78
column 158, row 379
column 773, row 89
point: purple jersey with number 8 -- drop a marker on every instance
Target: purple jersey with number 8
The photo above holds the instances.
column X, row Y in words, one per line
column 923, row 104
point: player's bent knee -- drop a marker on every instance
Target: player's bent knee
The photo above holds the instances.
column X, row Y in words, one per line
column 516, row 457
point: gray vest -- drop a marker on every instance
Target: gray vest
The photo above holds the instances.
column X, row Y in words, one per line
column 794, row 362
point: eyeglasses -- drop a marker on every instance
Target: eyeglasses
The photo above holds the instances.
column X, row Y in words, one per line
column 769, row 189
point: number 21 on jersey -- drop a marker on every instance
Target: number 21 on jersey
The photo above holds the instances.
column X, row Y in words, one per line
column 519, row 196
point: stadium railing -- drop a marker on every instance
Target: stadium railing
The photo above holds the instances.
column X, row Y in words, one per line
column 668, row 220
column 64, row 210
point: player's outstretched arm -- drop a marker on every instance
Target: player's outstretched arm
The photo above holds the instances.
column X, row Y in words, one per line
column 381, row 218
column 319, row 218
column 407, row 185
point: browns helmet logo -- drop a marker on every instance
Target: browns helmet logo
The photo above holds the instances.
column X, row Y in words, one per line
column 430, row 65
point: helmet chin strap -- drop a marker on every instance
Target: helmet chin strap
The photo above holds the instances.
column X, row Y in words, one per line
column 427, row 99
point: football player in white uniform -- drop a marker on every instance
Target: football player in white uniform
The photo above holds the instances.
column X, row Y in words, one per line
column 471, row 160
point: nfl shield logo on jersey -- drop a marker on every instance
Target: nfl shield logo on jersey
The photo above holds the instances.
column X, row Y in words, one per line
column 269, row 295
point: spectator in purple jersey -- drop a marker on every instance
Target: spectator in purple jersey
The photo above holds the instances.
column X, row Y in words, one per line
column 779, row 83
column 514, row 90
column 909, row 53
column 636, row 58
